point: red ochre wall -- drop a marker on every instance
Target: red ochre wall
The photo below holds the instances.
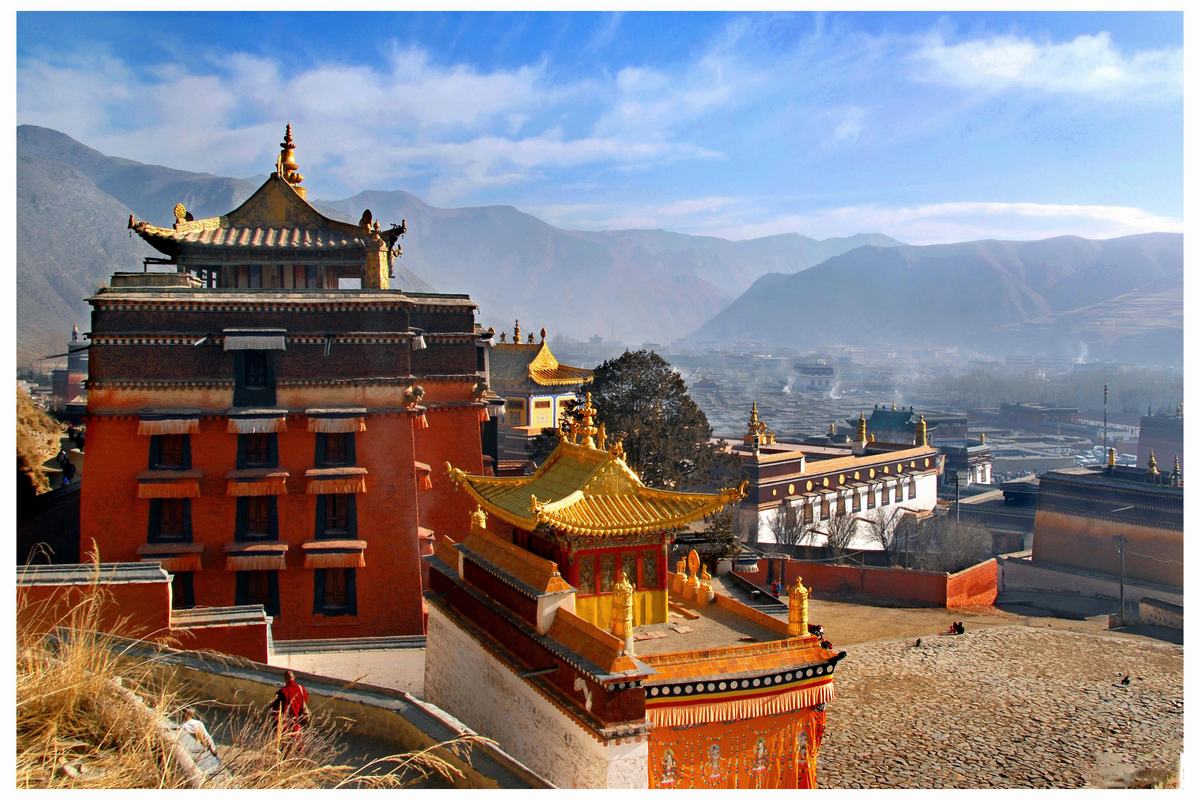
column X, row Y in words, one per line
column 453, row 436
column 247, row 641
column 970, row 587
column 135, row 610
column 1151, row 554
column 388, row 588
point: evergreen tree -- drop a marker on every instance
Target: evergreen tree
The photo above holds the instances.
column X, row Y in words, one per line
column 644, row 402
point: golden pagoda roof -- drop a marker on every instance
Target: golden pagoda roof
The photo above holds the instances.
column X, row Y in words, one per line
column 516, row 364
column 587, row 490
column 277, row 216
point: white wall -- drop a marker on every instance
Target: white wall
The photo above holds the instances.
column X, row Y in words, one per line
column 463, row 678
column 925, row 500
column 400, row 668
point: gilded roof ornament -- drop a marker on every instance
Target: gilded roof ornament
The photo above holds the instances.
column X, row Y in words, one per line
column 1112, row 458
column 1152, row 467
column 286, row 166
column 587, row 428
column 860, row 432
column 543, row 332
column 503, row 336
column 478, row 519
column 530, row 340
column 517, row 332
column 922, row 437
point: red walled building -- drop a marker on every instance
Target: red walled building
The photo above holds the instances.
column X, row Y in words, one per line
column 262, row 419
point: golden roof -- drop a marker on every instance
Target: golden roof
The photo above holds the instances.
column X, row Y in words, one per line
column 586, row 490
column 514, row 363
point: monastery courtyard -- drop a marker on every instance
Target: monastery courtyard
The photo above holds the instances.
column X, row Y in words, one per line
column 1017, row 701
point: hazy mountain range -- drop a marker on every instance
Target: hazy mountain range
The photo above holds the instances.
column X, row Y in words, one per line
column 1114, row 298
column 1121, row 295
column 73, row 202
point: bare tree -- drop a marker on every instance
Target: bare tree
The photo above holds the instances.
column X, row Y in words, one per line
column 786, row 525
column 950, row 546
column 894, row 529
column 839, row 534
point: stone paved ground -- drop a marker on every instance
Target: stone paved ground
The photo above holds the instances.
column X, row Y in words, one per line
column 1004, row 706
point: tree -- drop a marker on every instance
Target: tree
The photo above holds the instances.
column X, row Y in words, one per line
column 786, row 526
column 839, row 534
column 950, row 546
column 644, row 402
column 893, row 529
column 720, row 532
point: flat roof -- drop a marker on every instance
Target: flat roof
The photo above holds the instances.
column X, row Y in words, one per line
column 716, row 627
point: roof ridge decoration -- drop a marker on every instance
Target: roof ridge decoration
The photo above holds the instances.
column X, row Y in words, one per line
column 584, row 490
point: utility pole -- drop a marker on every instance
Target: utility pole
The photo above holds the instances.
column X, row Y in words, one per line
column 1121, row 550
column 957, row 501
column 1106, row 419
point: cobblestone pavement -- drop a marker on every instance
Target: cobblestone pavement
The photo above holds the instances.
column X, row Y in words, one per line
column 1008, row 706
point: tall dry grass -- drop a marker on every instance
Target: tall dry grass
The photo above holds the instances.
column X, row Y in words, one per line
column 90, row 715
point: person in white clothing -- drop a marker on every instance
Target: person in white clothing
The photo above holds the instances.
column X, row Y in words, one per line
column 194, row 726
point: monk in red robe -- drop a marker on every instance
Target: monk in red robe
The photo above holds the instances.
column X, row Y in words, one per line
column 290, row 706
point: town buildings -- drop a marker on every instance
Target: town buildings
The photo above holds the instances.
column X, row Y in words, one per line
column 814, row 485
column 261, row 419
column 1162, row 434
column 1118, row 521
column 552, row 629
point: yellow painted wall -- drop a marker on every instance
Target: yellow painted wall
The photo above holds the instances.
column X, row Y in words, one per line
column 542, row 412
column 649, row 608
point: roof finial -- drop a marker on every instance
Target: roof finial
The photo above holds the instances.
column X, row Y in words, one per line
column 75, row 338
column 1152, row 467
column 517, row 332
column 922, row 437
column 1112, row 458
column 530, row 341
column 587, row 415
column 1176, row 473
column 543, row 332
column 286, row 166
column 893, row 406
column 860, row 433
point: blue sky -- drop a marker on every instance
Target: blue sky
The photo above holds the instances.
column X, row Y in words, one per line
column 925, row 126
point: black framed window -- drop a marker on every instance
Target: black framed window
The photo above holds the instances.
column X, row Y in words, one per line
column 257, row 450
column 885, row 495
column 335, row 593
column 183, row 590
column 170, row 521
column 856, row 502
column 258, row 587
column 336, row 516
column 335, row 450
column 257, row 519
column 871, row 497
column 171, row 451
column 808, row 513
column 824, row 508
column 841, row 504
column 254, row 378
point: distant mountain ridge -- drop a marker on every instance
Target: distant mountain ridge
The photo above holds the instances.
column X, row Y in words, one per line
column 632, row 285
column 1116, row 298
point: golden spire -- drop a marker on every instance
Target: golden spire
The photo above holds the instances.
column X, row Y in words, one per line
column 833, row 429
column 893, row 406
column 982, row 437
column 517, row 332
column 1176, row 473
column 586, row 429
column 860, row 432
column 1112, row 458
column 287, row 168
column 922, row 437
column 798, row 609
column 1152, row 467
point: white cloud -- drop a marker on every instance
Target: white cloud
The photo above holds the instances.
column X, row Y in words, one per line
column 959, row 222
column 1086, row 65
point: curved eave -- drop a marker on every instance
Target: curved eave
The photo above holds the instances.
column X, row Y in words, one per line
column 161, row 239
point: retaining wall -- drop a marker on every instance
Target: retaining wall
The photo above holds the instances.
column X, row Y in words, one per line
column 973, row 586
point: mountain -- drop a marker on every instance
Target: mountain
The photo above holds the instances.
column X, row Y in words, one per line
column 1112, row 298
column 632, row 284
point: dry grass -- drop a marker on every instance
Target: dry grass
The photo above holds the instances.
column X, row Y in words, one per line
column 90, row 717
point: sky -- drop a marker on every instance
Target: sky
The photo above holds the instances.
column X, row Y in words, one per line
column 928, row 127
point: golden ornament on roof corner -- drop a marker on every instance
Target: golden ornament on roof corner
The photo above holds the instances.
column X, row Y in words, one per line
column 1152, row 467
column 1112, row 458
column 922, row 437
column 860, row 434
column 288, row 169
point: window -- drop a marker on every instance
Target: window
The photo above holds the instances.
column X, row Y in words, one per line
column 808, row 513
column 885, row 495
column 541, row 404
column 254, row 378
column 841, row 504
column 258, row 587
column 254, row 276
column 170, row 451
column 257, row 450
column 649, row 569
column 336, row 517
column 855, row 501
column 334, row 592
column 257, row 519
column 335, row 450
column 514, row 411
column 899, row 492
column 170, row 521
column 183, row 591
column 825, row 507
column 587, row 575
column 870, row 497
column 912, row 488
